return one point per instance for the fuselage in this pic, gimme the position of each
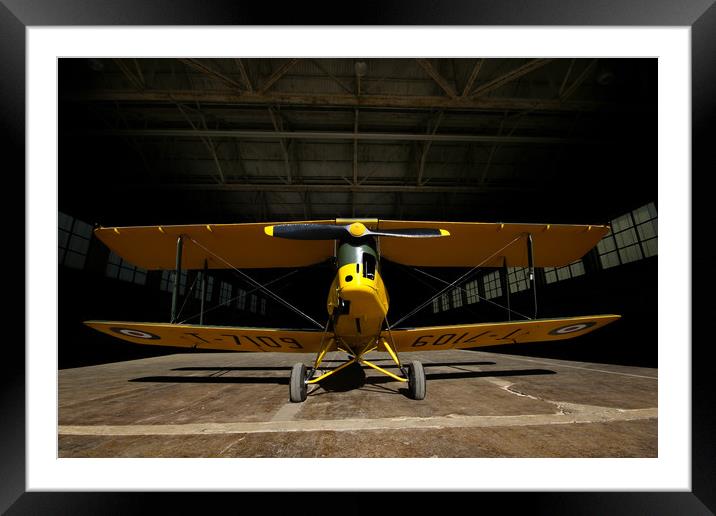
(357, 301)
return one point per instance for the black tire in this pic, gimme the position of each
(416, 380)
(298, 389)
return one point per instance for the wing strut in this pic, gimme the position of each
(530, 262)
(203, 292)
(461, 278)
(506, 285)
(259, 285)
(177, 277)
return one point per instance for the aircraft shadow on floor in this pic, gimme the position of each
(288, 368)
(351, 378)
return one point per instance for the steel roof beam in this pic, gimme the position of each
(338, 135)
(277, 75)
(421, 102)
(195, 64)
(324, 188)
(439, 79)
(472, 78)
(510, 76)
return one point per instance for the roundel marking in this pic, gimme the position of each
(137, 334)
(572, 328)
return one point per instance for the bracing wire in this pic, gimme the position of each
(188, 295)
(478, 295)
(228, 302)
(451, 285)
(255, 283)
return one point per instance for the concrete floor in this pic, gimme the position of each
(477, 405)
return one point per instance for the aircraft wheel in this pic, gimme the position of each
(416, 380)
(298, 390)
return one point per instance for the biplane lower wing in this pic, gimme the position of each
(229, 338)
(464, 336)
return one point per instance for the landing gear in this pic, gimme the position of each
(298, 390)
(416, 380)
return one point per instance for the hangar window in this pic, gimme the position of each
(445, 301)
(241, 299)
(518, 278)
(73, 241)
(457, 298)
(209, 286)
(263, 306)
(436, 305)
(252, 307)
(167, 281)
(473, 295)
(554, 274)
(633, 236)
(121, 269)
(492, 285)
(225, 293)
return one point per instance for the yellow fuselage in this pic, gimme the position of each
(357, 301)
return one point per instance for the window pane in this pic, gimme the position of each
(74, 260)
(621, 223)
(62, 238)
(457, 298)
(647, 230)
(82, 228)
(645, 213)
(436, 306)
(609, 260)
(140, 278)
(606, 244)
(79, 244)
(650, 247)
(626, 238)
(445, 302)
(492, 285)
(126, 274)
(472, 292)
(630, 254)
(64, 221)
(577, 268)
(112, 270)
(551, 276)
(563, 273)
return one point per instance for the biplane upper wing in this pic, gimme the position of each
(464, 336)
(467, 244)
(491, 244)
(228, 338)
(223, 246)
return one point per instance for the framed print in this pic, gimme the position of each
(38, 39)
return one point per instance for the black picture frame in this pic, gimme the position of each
(700, 15)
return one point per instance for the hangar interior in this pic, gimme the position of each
(186, 141)
(208, 141)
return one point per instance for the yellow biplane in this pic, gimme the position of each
(357, 301)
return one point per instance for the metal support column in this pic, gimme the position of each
(533, 280)
(203, 292)
(506, 286)
(177, 277)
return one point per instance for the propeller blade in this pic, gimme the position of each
(356, 230)
(306, 231)
(410, 233)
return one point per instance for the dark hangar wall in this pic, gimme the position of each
(601, 162)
